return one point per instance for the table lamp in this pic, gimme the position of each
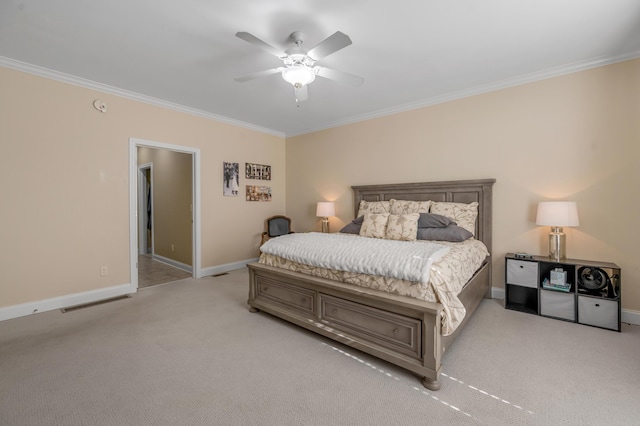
(557, 214)
(324, 210)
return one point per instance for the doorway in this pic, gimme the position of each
(141, 220)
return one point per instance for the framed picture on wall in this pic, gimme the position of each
(231, 179)
(257, 171)
(258, 193)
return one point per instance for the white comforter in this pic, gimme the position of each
(406, 260)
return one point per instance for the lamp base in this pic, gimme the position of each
(325, 225)
(557, 240)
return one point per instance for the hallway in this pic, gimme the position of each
(152, 272)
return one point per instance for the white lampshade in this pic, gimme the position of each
(325, 209)
(557, 213)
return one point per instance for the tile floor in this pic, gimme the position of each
(151, 272)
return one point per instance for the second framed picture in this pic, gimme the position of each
(257, 171)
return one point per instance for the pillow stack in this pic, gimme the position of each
(414, 220)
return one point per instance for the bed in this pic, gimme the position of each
(399, 329)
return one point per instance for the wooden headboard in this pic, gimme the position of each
(460, 191)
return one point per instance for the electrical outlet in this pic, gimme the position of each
(104, 271)
(172, 247)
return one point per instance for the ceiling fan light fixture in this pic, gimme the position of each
(299, 67)
(299, 75)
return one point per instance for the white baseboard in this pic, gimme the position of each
(174, 263)
(220, 269)
(15, 311)
(497, 293)
(630, 317)
(627, 316)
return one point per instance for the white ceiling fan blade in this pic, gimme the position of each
(301, 94)
(340, 76)
(250, 38)
(331, 44)
(248, 77)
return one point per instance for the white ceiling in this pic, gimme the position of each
(411, 53)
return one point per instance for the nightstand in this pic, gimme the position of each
(581, 291)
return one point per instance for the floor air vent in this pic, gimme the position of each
(88, 305)
(220, 274)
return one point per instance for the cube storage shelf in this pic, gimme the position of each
(591, 295)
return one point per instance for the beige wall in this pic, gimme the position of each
(64, 173)
(64, 185)
(574, 137)
(172, 203)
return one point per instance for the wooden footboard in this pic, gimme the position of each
(398, 329)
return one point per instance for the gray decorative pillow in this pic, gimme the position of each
(432, 220)
(354, 226)
(453, 233)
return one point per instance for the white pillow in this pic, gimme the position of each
(406, 206)
(464, 215)
(403, 227)
(373, 207)
(374, 225)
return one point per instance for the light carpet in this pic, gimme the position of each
(190, 353)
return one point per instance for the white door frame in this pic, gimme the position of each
(142, 207)
(133, 204)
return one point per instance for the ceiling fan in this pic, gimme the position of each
(299, 67)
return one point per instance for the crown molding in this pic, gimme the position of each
(88, 84)
(434, 100)
(477, 90)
